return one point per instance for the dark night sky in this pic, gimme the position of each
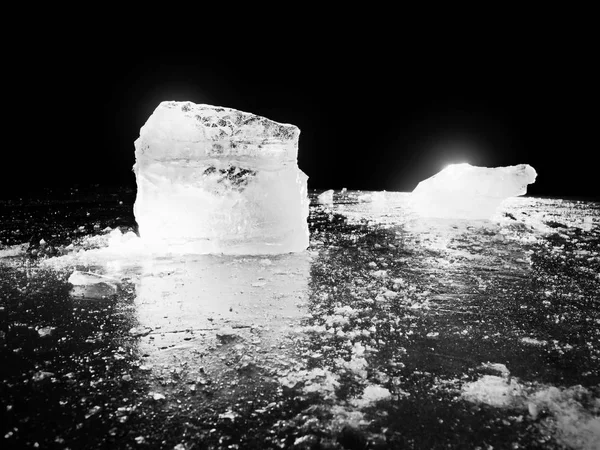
(377, 108)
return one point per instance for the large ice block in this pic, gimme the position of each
(218, 180)
(470, 192)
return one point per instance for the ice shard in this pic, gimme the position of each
(469, 192)
(218, 180)
(325, 198)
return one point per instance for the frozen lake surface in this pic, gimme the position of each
(390, 331)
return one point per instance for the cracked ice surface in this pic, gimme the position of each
(470, 192)
(219, 180)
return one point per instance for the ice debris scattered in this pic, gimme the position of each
(464, 191)
(92, 285)
(217, 180)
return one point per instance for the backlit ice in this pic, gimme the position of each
(470, 192)
(218, 180)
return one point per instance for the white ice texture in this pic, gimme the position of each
(218, 180)
(463, 191)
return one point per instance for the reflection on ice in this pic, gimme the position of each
(252, 301)
(189, 303)
(186, 305)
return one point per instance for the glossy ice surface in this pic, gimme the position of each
(389, 332)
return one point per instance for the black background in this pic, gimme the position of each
(383, 98)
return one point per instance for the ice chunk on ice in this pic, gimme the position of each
(219, 180)
(470, 192)
(492, 390)
(326, 198)
(92, 285)
(371, 394)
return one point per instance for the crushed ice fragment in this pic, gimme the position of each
(532, 341)
(45, 331)
(498, 368)
(42, 375)
(229, 414)
(218, 180)
(379, 273)
(326, 198)
(371, 394)
(93, 411)
(492, 390)
(305, 440)
(157, 396)
(92, 285)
